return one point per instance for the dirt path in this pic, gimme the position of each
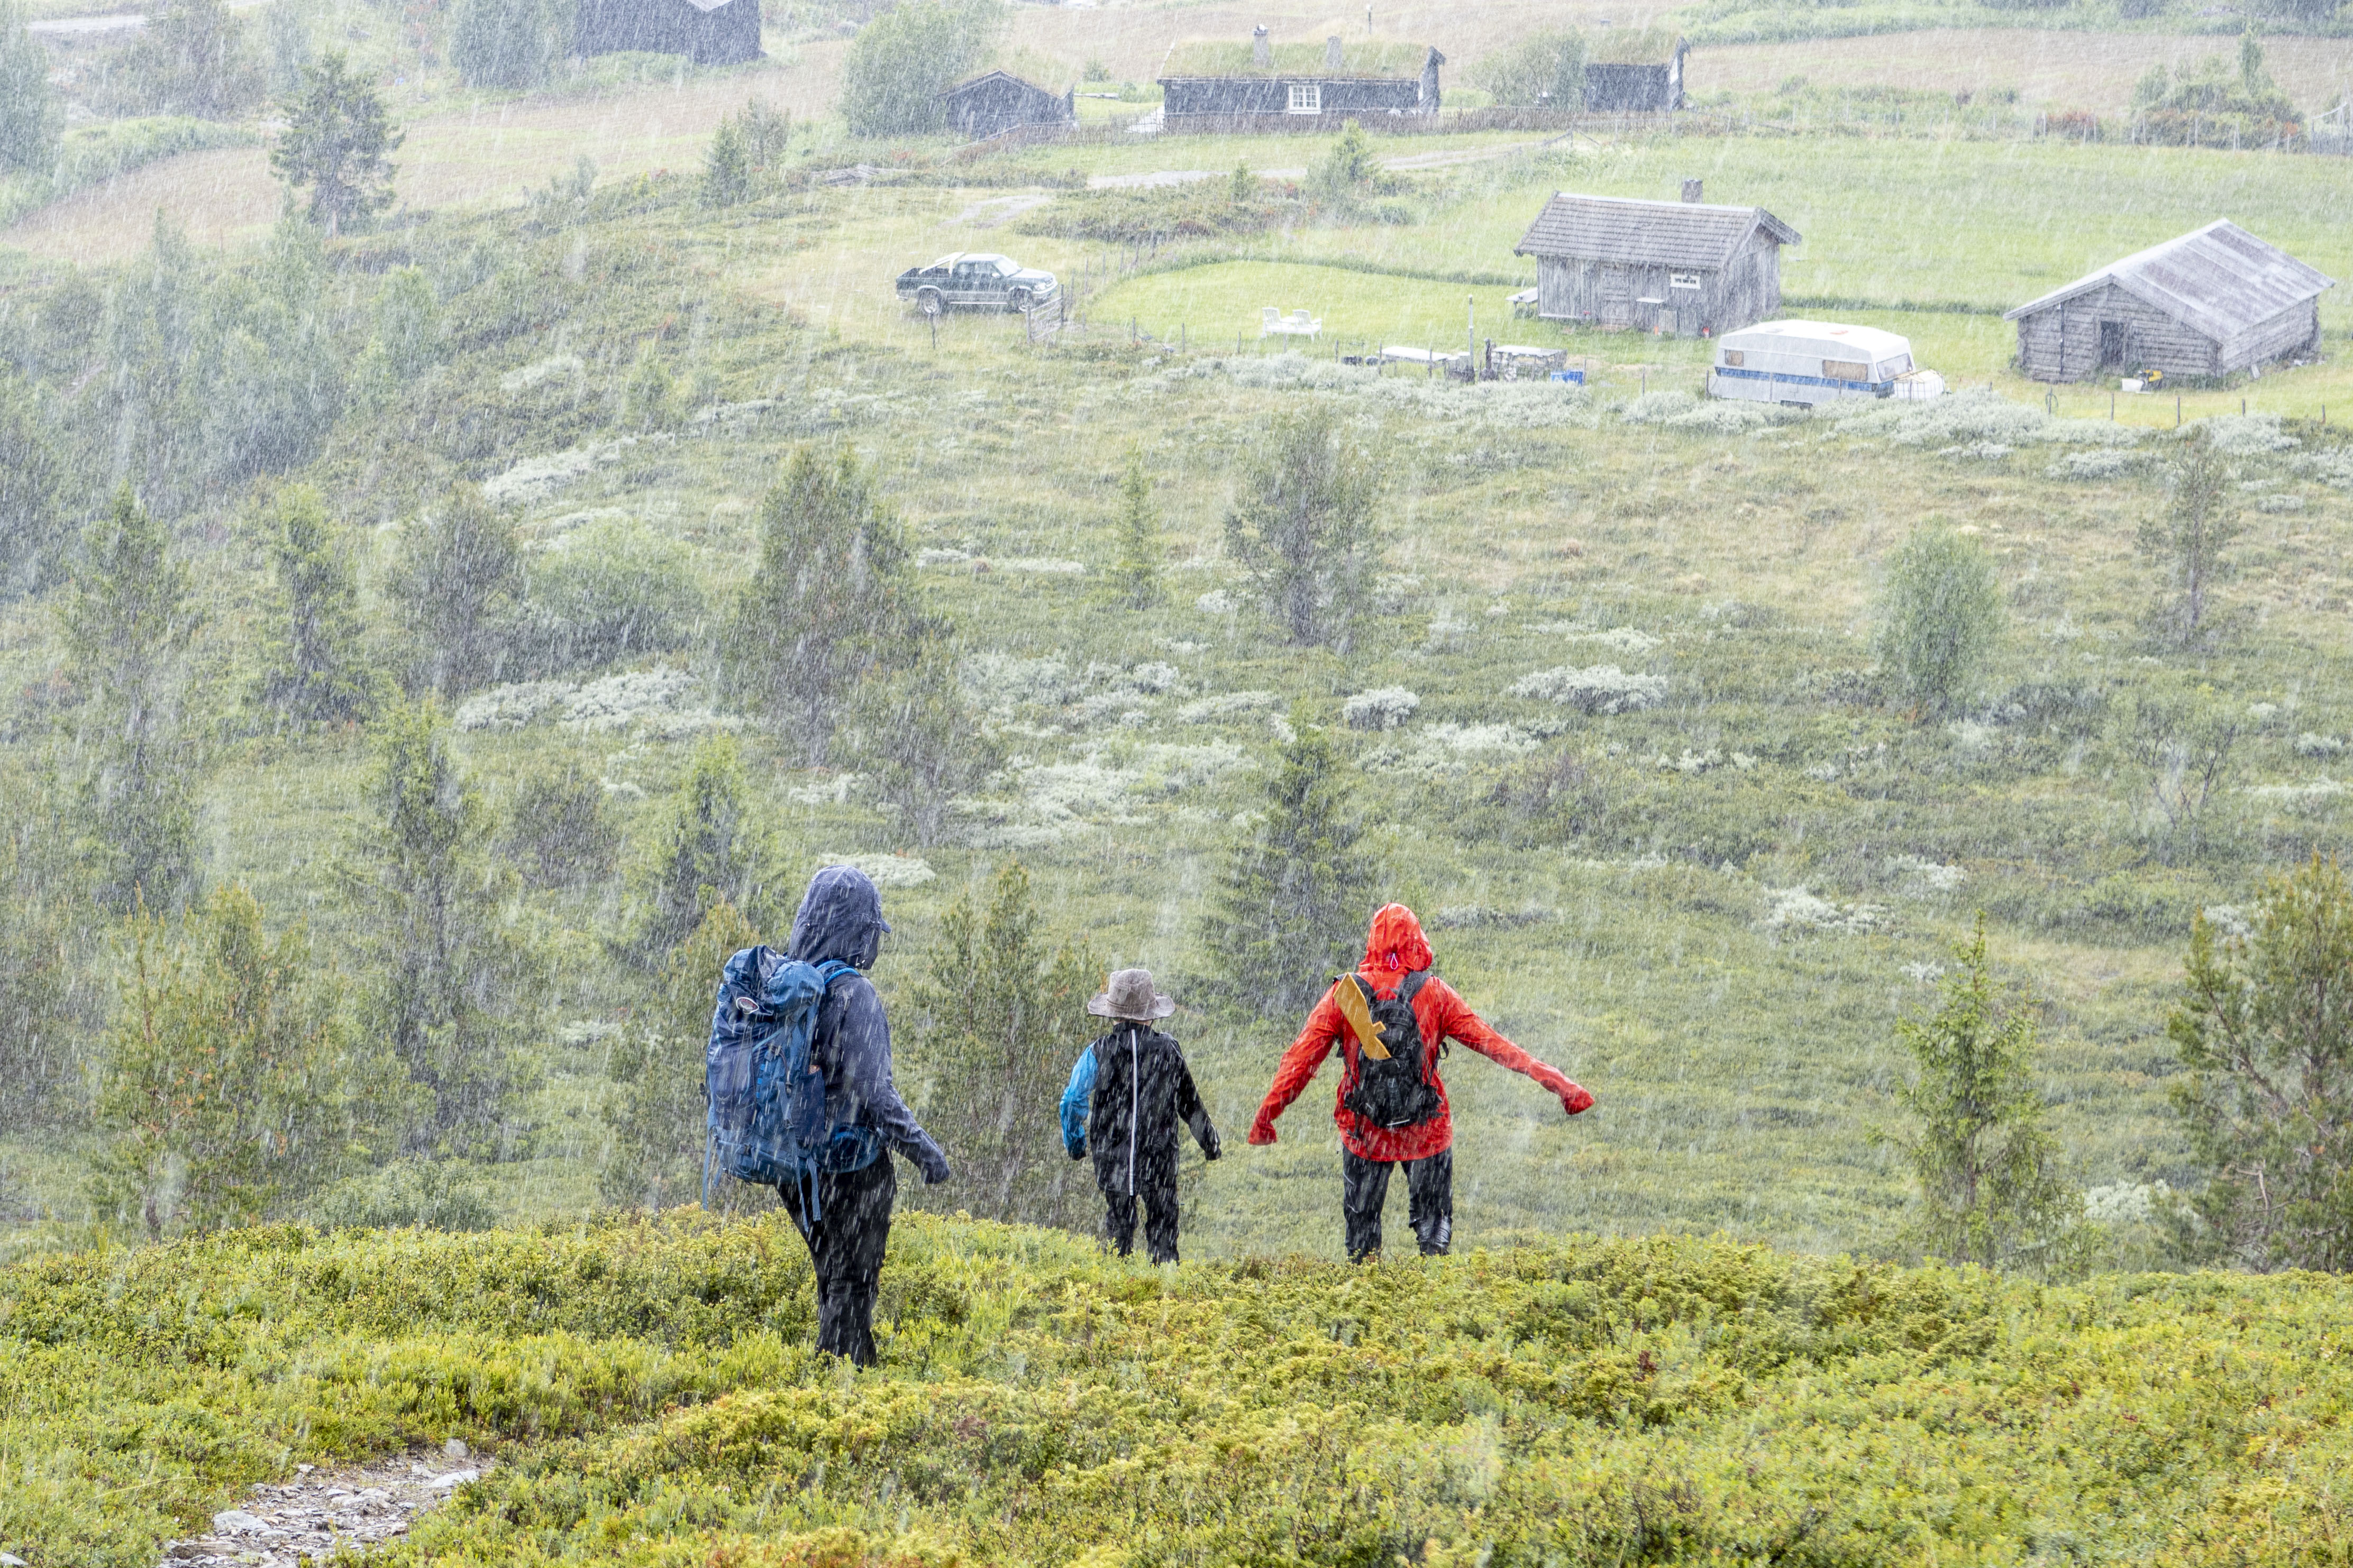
(286, 1524)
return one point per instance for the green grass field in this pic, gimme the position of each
(1741, 1058)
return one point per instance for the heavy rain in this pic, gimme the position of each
(1129, 783)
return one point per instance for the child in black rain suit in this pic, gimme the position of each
(1127, 1092)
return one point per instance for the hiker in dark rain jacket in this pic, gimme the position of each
(1128, 1094)
(841, 918)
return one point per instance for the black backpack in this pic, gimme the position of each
(1395, 1090)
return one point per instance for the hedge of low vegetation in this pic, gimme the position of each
(644, 1387)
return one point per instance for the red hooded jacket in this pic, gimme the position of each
(1395, 949)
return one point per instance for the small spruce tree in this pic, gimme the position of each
(919, 739)
(833, 598)
(2188, 536)
(655, 1117)
(316, 669)
(713, 849)
(338, 143)
(727, 165)
(767, 132)
(35, 540)
(457, 986)
(127, 630)
(558, 834)
(1988, 1168)
(1135, 580)
(1939, 618)
(228, 1082)
(455, 587)
(1291, 906)
(2264, 1027)
(1001, 1016)
(42, 900)
(1305, 528)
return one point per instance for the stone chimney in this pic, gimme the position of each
(1261, 51)
(1691, 190)
(1332, 52)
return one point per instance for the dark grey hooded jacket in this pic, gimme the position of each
(841, 918)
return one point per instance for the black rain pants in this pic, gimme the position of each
(846, 1246)
(1159, 1200)
(1429, 1191)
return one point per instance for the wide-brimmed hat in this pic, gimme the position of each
(1129, 994)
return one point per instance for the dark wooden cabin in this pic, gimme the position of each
(1683, 267)
(997, 101)
(1635, 71)
(709, 32)
(2210, 303)
(1265, 86)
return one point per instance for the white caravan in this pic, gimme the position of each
(1814, 361)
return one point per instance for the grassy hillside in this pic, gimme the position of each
(1711, 911)
(644, 1388)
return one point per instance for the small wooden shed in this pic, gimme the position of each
(2210, 303)
(997, 101)
(1213, 87)
(709, 32)
(1635, 70)
(1684, 267)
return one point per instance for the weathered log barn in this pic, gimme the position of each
(2211, 302)
(1635, 70)
(997, 101)
(1264, 86)
(709, 32)
(1681, 268)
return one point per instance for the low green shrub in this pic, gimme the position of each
(644, 1385)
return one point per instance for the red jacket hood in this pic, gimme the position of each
(1396, 945)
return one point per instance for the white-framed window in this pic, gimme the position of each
(1682, 280)
(1306, 98)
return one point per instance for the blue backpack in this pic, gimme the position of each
(767, 1120)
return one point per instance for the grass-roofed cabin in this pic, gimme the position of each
(1634, 70)
(1209, 86)
(708, 32)
(2213, 302)
(997, 101)
(1681, 267)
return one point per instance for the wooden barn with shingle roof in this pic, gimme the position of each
(1681, 268)
(2211, 302)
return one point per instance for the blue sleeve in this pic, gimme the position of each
(1075, 1099)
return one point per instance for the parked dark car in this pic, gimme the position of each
(972, 281)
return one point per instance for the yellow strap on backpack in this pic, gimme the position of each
(1353, 1007)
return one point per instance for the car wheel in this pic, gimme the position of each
(1018, 301)
(929, 301)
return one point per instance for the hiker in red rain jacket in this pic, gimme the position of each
(1390, 1019)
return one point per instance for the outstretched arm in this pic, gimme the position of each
(1460, 1023)
(1196, 1114)
(866, 1067)
(1075, 1101)
(1298, 1065)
